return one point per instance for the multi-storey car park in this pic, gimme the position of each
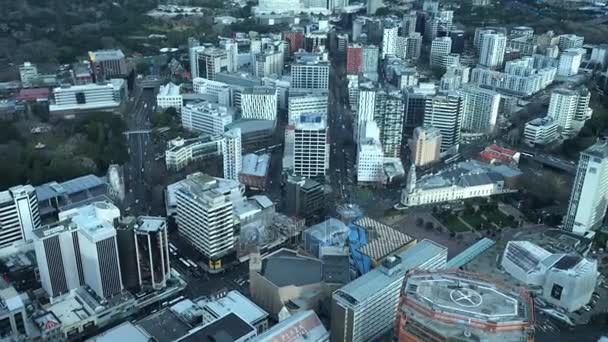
(454, 305)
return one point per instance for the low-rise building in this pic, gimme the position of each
(254, 173)
(541, 131)
(495, 153)
(181, 152)
(169, 96)
(303, 326)
(105, 95)
(235, 302)
(206, 117)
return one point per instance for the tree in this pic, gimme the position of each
(429, 225)
(419, 222)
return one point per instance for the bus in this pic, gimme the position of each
(184, 262)
(173, 301)
(171, 245)
(452, 158)
(192, 263)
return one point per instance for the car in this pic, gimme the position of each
(587, 308)
(595, 294)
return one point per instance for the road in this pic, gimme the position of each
(141, 150)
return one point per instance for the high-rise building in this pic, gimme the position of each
(408, 24)
(415, 103)
(310, 71)
(413, 46)
(570, 61)
(206, 117)
(232, 55)
(102, 95)
(364, 309)
(28, 73)
(388, 113)
(366, 107)
(152, 252)
(304, 196)
(169, 96)
(205, 218)
(310, 145)
(567, 106)
(541, 131)
(441, 47)
(492, 49)
(80, 249)
(268, 64)
(444, 112)
(357, 30)
(208, 62)
(458, 38)
(389, 39)
(425, 146)
(439, 24)
(294, 39)
(370, 156)
(369, 60)
(19, 214)
(453, 304)
(353, 59)
(373, 5)
(570, 41)
(305, 103)
(108, 64)
(589, 198)
(480, 109)
(353, 91)
(233, 154)
(259, 103)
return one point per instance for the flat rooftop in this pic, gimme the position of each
(164, 326)
(255, 165)
(106, 55)
(226, 329)
(383, 240)
(235, 302)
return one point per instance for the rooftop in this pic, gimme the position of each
(256, 165)
(169, 89)
(236, 303)
(287, 267)
(599, 149)
(259, 91)
(252, 126)
(127, 331)
(164, 326)
(105, 55)
(151, 224)
(383, 240)
(300, 327)
(226, 329)
(467, 173)
(73, 186)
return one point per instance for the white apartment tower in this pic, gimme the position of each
(492, 49)
(232, 55)
(366, 107)
(259, 103)
(233, 154)
(570, 41)
(440, 49)
(589, 198)
(389, 40)
(19, 215)
(570, 61)
(204, 216)
(370, 156)
(480, 109)
(562, 109)
(444, 112)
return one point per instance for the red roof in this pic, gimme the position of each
(33, 94)
(500, 150)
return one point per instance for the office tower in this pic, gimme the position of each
(205, 218)
(480, 109)
(589, 198)
(413, 46)
(484, 30)
(103, 96)
(492, 49)
(364, 309)
(425, 146)
(570, 61)
(455, 77)
(232, 55)
(441, 47)
(232, 153)
(19, 214)
(366, 107)
(310, 71)
(389, 37)
(208, 62)
(358, 25)
(388, 114)
(316, 41)
(206, 117)
(259, 103)
(295, 39)
(108, 64)
(370, 156)
(305, 103)
(439, 24)
(563, 107)
(415, 103)
(58, 257)
(28, 73)
(369, 59)
(353, 59)
(464, 306)
(599, 55)
(373, 5)
(268, 64)
(570, 41)
(408, 25)
(444, 112)
(353, 92)
(304, 196)
(310, 145)
(458, 38)
(152, 252)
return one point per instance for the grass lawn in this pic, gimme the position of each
(493, 216)
(452, 223)
(475, 220)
